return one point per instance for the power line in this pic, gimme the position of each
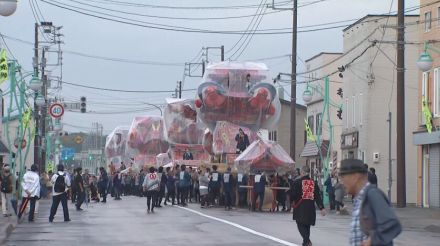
(248, 27)
(119, 90)
(171, 17)
(181, 7)
(144, 24)
(249, 37)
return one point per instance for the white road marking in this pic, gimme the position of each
(278, 240)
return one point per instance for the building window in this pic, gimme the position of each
(425, 92)
(428, 21)
(273, 136)
(436, 100)
(361, 104)
(311, 124)
(438, 16)
(353, 121)
(346, 113)
(318, 124)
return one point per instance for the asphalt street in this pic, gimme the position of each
(126, 222)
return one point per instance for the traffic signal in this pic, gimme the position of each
(340, 113)
(83, 104)
(90, 157)
(340, 92)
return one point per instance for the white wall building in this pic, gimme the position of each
(370, 93)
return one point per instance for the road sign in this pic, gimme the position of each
(78, 139)
(23, 143)
(56, 110)
(72, 106)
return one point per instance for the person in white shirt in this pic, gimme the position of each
(31, 191)
(61, 183)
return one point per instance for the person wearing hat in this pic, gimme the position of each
(373, 220)
(305, 193)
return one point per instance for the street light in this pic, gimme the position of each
(35, 84)
(40, 101)
(307, 96)
(8, 7)
(424, 63)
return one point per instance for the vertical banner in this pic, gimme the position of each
(3, 66)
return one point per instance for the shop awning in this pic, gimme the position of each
(311, 149)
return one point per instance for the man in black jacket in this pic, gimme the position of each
(305, 194)
(373, 220)
(242, 141)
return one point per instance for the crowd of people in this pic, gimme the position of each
(373, 220)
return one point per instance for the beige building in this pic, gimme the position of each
(428, 144)
(325, 126)
(282, 133)
(11, 128)
(370, 93)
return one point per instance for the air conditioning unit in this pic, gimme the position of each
(376, 157)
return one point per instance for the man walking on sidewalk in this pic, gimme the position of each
(79, 184)
(373, 220)
(61, 184)
(31, 191)
(6, 190)
(305, 194)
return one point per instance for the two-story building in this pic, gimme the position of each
(428, 143)
(325, 126)
(369, 60)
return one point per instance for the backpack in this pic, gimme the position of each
(6, 185)
(60, 184)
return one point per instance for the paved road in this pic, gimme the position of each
(127, 223)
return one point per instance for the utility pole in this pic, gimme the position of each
(293, 76)
(43, 110)
(293, 85)
(36, 113)
(180, 88)
(400, 118)
(222, 48)
(390, 161)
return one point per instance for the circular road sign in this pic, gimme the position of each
(78, 139)
(56, 110)
(23, 143)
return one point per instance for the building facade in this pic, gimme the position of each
(369, 51)
(428, 144)
(282, 133)
(325, 126)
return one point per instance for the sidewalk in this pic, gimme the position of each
(414, 218)
(7, 225)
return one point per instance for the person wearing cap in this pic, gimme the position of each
(373, 221)
(305, 193)
(31, 189)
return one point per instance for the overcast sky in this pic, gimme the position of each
(100, 37)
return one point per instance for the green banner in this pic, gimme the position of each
(3, 66)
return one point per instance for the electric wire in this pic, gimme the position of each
(119, 90)
(183, 7)
(171, 17)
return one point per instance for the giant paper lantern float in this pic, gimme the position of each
(181, 124)
(224, 137)
(183, 130)
(265, 156)
(115, 145)
(239, 93)
(146, 139)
